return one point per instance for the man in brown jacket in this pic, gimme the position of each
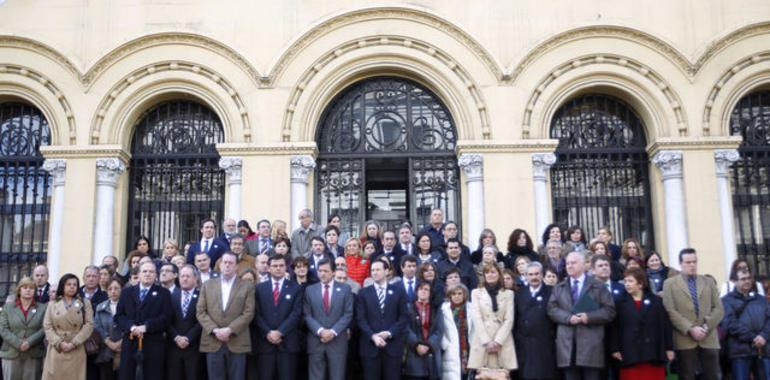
(225, 310)
(693, 304)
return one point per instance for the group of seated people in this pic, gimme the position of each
(387, 304)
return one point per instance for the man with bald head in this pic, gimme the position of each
(40, 276)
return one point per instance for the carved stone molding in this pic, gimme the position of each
(401, 13)
(274, 149)
(52, 88)
(723, 158)
(378, 41)
(108, 171)
(472, 165)
(301, 166)
(503, 146)
(57, 167)
(669, 162)
(693, 143)
(233, 168)
(716, 89)
(156, 69)
(674, 101)
(541, 163)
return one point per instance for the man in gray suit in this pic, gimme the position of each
(580, 332)
(328, 311)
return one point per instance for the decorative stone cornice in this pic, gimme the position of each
(723, 158)
(393, 41)
(541, 163)
(51, 87)
(301, 166)
(657, 81)
(158, 69)
(233, 167)
(87, 151)
(108, 171)
(669, 162)
(57, 167)
(693, 143)
(506, 146)
(275, 149)
(472, 165)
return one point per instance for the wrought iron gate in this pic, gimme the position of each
(25, 197)
(175, 180)
(600, 177)
(750, 177)
(386, 118)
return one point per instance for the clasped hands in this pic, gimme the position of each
(275, 337)
(699, 332)
(326, 335)
(380, 339)
(492, 347)
(579, 318)
(137, 331)
(222, 334)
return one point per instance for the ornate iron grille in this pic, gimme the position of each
(25, 198)
(386, 117)
(175, 180)
(750, 177)
(601, 172)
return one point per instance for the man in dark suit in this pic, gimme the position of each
(389, 251)
(184, 331)
(144, 311)
(213, 246)
(328, 311)
(279, 313)
(40, 276)
(263, 243)
(316, 255)
(533, 331)
(405, 245)
(333, 246)
(601, 267)
(451, 231)
(455, 259)
(90, 289)
(436, 227)
(382, 317)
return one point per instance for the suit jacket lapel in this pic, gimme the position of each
(233, 291)
(701, 285)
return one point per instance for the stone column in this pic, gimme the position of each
(541, 164)
(473, 167)
(301, 166)
(57, 168)
(108, 171)
(723, 159)
(670, 164)
(232, 167)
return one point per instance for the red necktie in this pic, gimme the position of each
(326, 298)
(276, 293)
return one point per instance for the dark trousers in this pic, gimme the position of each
(92, 369)
(382, 366)
(703, 361)
(279, 365)
(582, 373)
(153, 352)
(182, 364)
(744, 367)
(226, 365)
(106, 372)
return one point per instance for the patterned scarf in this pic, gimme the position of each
(461, 321)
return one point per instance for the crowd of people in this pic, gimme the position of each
(316, 304)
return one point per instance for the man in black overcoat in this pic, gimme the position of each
(533, 331)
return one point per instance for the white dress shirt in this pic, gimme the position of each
(227, 286)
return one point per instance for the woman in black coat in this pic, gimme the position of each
(533, 330)
(423, 336)
(640, 339)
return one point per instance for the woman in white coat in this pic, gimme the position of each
(455, 344)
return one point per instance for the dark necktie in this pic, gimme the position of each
(691, 284)
(575, 294)
(276, 293)
(410, 291)
(185, 303)
(326, 298)
(142, 294)
(206, 246)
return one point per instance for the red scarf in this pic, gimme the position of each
(424, 309)
(25, 311)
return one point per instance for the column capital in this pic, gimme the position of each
(57, 168)
(541, 163)
(472, 165)
(301, 165)
(233, 168)
(669, 162)
(108, 170)
(723, 159)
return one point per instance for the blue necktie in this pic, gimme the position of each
(575, 294)
(694, 294)
(206, 247)
(410, 291)
(142, 294)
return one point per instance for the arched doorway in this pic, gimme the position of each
(175, 181)
(386, 152)
(750, 177)
(601, 173)
(25, 198)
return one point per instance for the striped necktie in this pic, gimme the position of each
(381, 297)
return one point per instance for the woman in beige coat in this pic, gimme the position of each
(491, 311)
(68, 323)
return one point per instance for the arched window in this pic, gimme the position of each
(25, 198)
(175, 180)
(750, 176)
(386, 152)
(601, 173)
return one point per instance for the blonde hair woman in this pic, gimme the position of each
(21, 326)
(491, 311)
(358, 263)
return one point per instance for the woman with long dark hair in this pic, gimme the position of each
(552, 232)
(519, 244)
(657, 272)
(576, 240)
